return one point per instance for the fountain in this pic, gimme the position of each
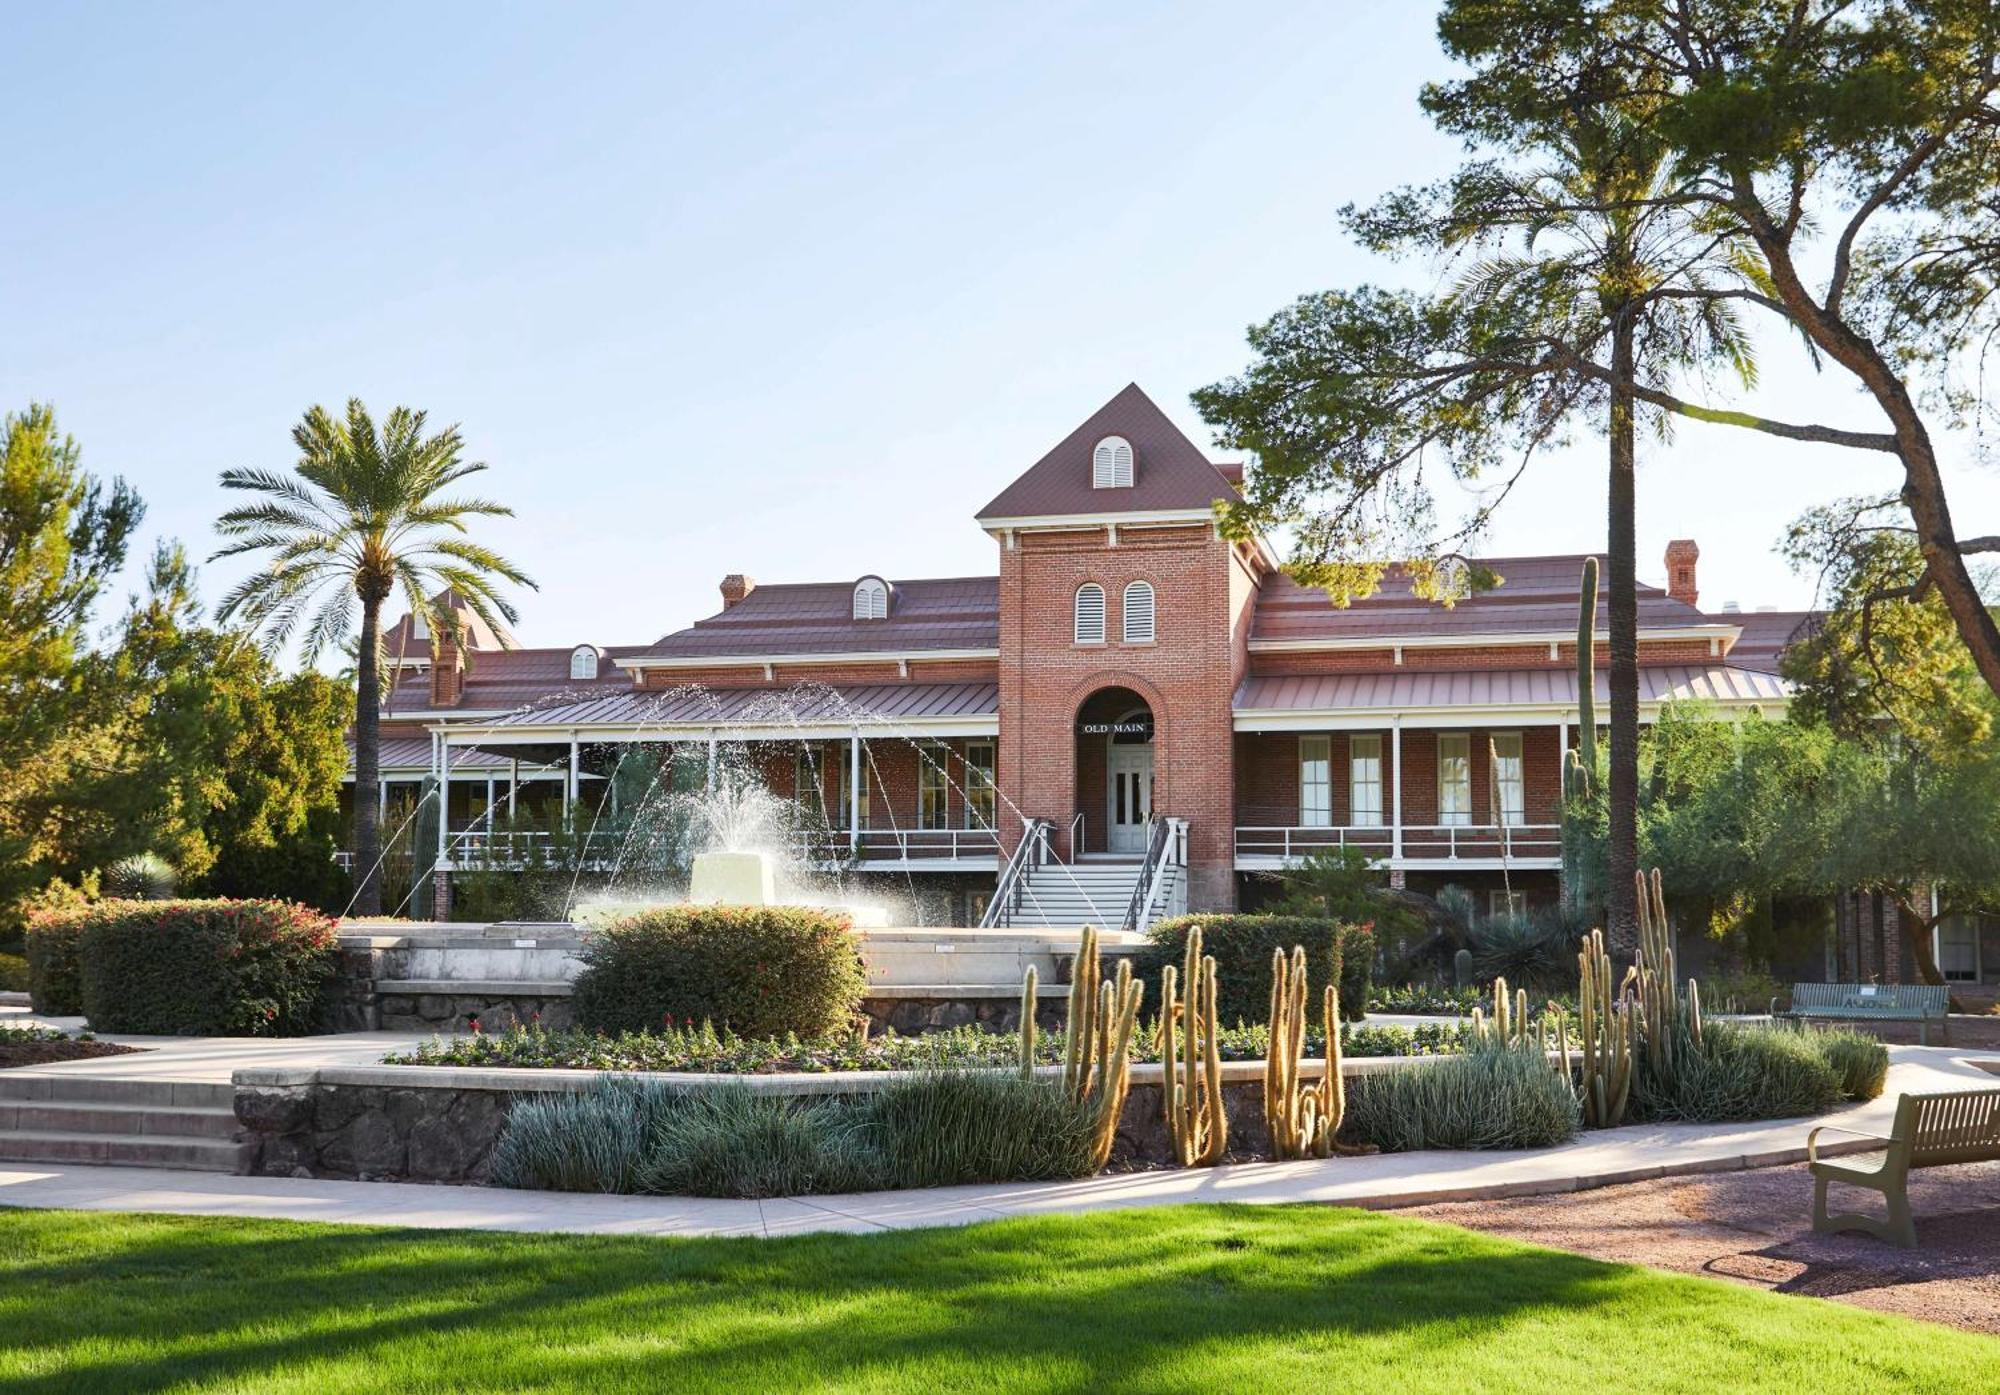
(733, 878)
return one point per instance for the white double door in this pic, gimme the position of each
(1130, 769)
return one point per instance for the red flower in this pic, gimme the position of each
(474, 1024)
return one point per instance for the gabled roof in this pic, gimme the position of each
(1170, 473)
(943, 613)
(507, 678)
(401, 641)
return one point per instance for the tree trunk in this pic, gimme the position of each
(1622, 795)
(1916, 928)
(368, 765)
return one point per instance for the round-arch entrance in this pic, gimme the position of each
(1114, 772)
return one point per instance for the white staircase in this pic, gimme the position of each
(1083, 893)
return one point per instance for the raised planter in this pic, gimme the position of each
(439, 1123)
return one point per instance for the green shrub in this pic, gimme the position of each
(201, 968)
(1492, 1097)
(1242, 946)
(13, 973)
(759, 971)
(731, 1142)
(946, 1128)
(1861, 1062)
(54, 986)
(1741, 1074)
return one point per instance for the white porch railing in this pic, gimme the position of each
(601, 848)
(1420, 842)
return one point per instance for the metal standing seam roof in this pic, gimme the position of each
(414, 753)
(806, 704)
(1340, 692)
(1169, 471)
(939, 613)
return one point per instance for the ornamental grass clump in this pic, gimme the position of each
(594, 1141)
(949, 1128)
(1738, 1075)
(731, 1142)
(757, 971)
(1861, 1062)
(1493, 1096)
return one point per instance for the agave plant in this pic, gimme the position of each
(142, 877)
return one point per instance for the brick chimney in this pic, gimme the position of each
(735, 587)
(1682, 554)
(447, 658)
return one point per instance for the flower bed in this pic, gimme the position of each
(706, 1051)
(41, 1046)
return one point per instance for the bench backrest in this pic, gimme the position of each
(1876, 997)
(1961, 1126)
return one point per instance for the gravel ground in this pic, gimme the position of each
(1756, 1228)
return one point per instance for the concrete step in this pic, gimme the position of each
(120, 1120)
(111, 1150)
(98, 1089)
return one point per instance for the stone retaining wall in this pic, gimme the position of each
(439, 1124)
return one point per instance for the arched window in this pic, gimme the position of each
(1090, 613)
(1138, 612)
(583, 662)
(871, 598)
(1111, 464)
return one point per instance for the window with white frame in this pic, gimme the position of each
(806, 788)
(871, 598)
(1509, 789)
(1090, 613)
(1111, 464)
(1137, 612)
(981, 793)
(1315, 781)
(1454, 777)
(1506, 905)
(582, 662)
(843, 815)
(1364, 780)
(933, 786)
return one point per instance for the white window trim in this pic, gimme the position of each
(1355, 805)
(1316, 749)
(1078, 633)
(934, 780)
(1454, 818)
(982, 777)
(584, 656)
(871, 599)
(1150, 611)
(1517, 816)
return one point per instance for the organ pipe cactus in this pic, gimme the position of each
(1191, 1068)
(1097, 1058)
(1303, 1118)
(1508, 1026)
(1605, 1020)
(1030, 981)
(1672, 1025)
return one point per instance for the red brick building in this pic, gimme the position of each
(1128, 685)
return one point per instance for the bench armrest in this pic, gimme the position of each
(1812, 1139)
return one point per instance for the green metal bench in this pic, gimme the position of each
(1930, 1131)
(1871, 1002)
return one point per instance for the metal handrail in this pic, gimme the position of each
(1421, 842)
(1142, 890)
(1078, 826)
(1032, 849)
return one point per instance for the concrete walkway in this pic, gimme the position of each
(1402, 1179)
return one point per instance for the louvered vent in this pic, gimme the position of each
(871, 599)
(1111, 464)
(1090, 613)
(1139, 613)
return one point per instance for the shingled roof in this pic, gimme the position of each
(1169, 471)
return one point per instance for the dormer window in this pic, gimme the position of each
(1111, 464)
(871, 598)
(582, 662)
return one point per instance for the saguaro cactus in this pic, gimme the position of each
(1604, 1026)
(1191, 1087)
(1303, 1117)
(1030, 982)
(1097, 1057)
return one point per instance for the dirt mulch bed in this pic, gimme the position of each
(43, 1053)
(1756, 1228)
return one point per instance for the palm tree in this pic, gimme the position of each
(358, 518)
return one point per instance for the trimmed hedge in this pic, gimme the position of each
(758, 971)
(1242, 945)
(192, 968)
(53, 984)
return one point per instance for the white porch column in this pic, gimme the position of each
(513, 785)
(1396, 790)
(854, 793)
(570, 788)
(492, 794)
(710, 777)
(381, 802)
(444, 798)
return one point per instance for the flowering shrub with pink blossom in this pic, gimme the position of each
(199, 968)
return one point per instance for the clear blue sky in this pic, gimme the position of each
(784, 290)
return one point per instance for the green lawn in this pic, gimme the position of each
(1190, 1299)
